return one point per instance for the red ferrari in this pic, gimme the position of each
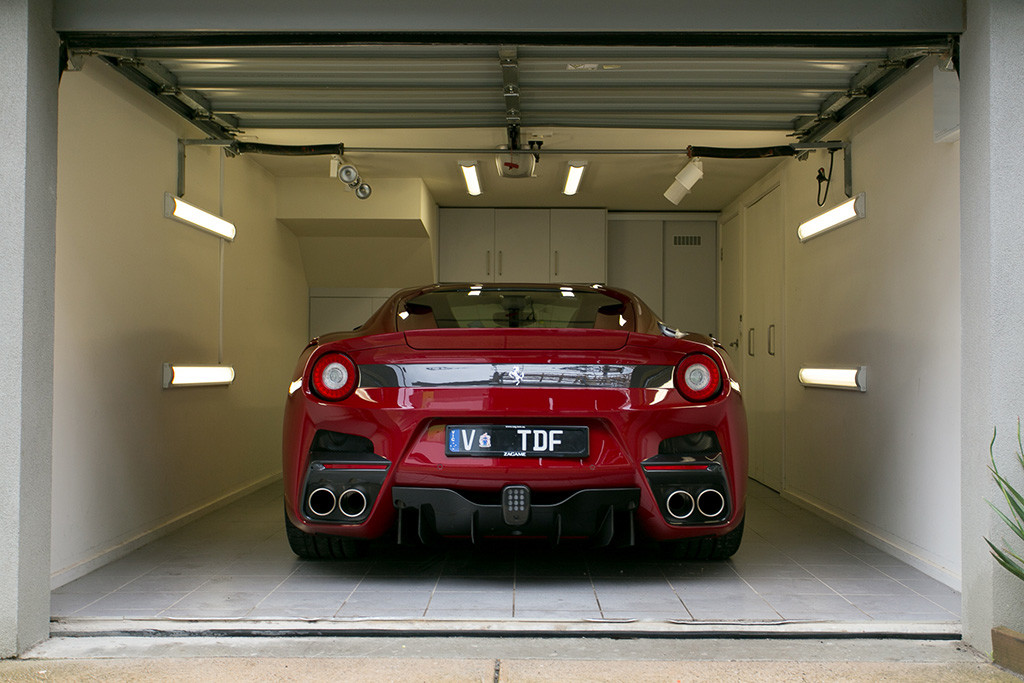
(501, 411)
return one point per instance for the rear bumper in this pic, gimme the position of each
(600, 514)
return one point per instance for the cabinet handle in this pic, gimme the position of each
(487, 262)
(499, 262)
(771, 340)
(750, 342)
(556, 263)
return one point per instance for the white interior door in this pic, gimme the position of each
(730, 288)
(634, 259)
(691, 275)
(764, 370)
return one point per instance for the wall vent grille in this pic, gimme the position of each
(686, 240)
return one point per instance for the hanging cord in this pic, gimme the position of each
(827, 180)
(220, 310)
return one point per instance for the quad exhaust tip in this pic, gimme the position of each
(352, 502)
(711, 503)
(680, 504)
(321, 502)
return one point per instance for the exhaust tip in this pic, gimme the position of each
(352, 503)
(321, 502)
(711, 503)
(680, 504)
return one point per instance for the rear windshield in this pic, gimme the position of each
(476, 307)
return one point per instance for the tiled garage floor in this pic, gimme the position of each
(236, 563)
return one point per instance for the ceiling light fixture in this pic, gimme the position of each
(472, 177)
(685, 180)
(573, 177)
(183, 212)
(847, 212)
(835, 378)
(349, 175)
(197, 375)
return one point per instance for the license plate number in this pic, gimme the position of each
(523, 441)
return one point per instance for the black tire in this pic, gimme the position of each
(321, 547)
(705, 548)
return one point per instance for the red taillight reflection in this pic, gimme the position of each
(334, 376)
(698, 378)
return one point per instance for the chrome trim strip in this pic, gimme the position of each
(526, 375)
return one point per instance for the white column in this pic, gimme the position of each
(28, 161)
(992, 273)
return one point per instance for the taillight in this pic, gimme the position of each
(698, 377)
(334, 376)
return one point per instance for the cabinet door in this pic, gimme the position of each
(579, 246)
(764, 378)
(466, 245)
(521, 239)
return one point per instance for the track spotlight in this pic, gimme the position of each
(348, 175)
(685, 180)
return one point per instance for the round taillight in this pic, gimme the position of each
(698, 377)
(334, 376)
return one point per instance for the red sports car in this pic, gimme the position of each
(498, 410)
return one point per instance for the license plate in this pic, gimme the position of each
(522, 441)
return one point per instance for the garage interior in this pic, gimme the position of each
(135, 290)
(179, 483)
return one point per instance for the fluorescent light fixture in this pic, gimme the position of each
(472, 176)
(685, 180)
(197, 375)
(847, 212)
(180, 210)
(835, 378)
(573, 177)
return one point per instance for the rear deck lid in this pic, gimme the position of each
(517, 338)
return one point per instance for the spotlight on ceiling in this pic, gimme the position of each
(573, 177)
(348, 175)
(471, 176)
(685, 180)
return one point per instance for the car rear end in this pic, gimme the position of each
(556, 433)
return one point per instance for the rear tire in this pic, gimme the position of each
(322, 547)
(705, 548)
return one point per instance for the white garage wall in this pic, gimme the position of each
(133, 290)
(882, 292)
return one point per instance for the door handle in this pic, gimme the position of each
(771, 340)
(499, 262)
(556, 263)
(750, 342)
(487, 262)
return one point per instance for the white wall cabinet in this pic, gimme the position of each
(579, 245)
(522, 240)
(523, 245)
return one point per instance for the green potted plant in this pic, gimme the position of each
(1008, 645)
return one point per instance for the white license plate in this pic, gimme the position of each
(524, 441)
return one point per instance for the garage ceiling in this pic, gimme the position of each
(629, 110)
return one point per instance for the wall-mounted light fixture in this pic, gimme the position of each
(573, 177)
(853, 378)
(197, 375)
(685, 180)
(182, 211)
(847, 212)
(471, 176)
